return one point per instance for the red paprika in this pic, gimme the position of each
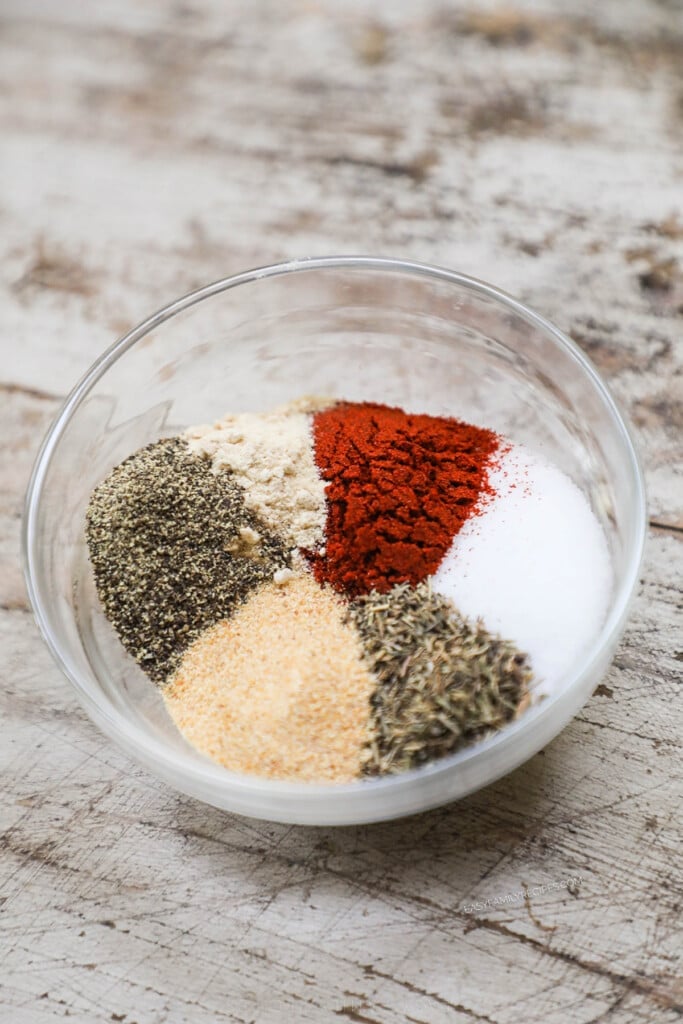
(398, 488)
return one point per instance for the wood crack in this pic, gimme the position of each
(15, 606)
(355, 1015)
(10, 388)
(373, 972)
(665, 527)
(643, 986)
(416, 169)
(625, 732)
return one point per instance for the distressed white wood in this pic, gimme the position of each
(148, 148)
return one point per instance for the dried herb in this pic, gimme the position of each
(174, 549)
(443, 682)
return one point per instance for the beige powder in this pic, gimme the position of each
(271, 456)
(279, 689)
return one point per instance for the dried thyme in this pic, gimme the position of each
(442, 681)
(174, 549)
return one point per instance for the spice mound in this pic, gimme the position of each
(280, 689)
(441, 681)
(333, 590)
(174, 548)
(398, 488)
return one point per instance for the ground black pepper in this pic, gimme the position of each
(174, 550)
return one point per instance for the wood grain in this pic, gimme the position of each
(148, 148)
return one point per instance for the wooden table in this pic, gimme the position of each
(148, 148)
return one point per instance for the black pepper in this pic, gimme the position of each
(174, 549)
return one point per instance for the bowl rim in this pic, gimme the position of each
(208, 780)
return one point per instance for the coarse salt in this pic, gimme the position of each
(533, 564)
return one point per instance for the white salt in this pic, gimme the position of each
(534, 565)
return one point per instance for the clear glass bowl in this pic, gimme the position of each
(391, 331)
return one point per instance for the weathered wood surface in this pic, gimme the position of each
(147, 148)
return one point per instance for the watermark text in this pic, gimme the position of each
(571, 883)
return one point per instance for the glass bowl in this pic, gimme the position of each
(358, 328)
